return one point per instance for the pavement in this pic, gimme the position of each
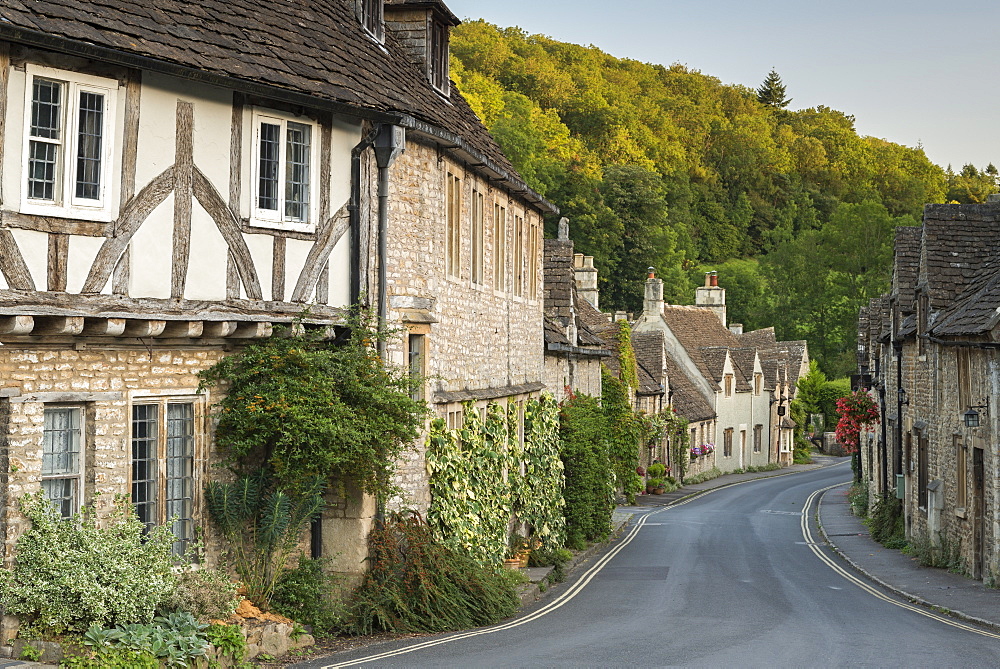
(938, 589)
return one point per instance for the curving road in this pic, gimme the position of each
(732, 578)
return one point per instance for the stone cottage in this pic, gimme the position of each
(932, 358)
(179, 179)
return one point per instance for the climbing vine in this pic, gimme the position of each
(629, 368)
(481, 477)
(625, 429)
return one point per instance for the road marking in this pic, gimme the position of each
(864, 585)
(564, 597)
(782, 513)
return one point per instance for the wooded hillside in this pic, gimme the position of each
(667, 167)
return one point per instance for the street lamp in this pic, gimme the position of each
(971, 416)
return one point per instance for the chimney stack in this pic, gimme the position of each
(586, 278)
(652, 303)
(712, 296)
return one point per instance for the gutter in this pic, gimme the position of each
(963, 344)
(578, 350)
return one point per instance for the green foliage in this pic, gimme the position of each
(416, 584)
(667, 167)
(228, 639)
(304, 594)
(857, 495)
(70, 574)
(944, 554)
(625, 429)
(111, 657)
(309, 408)
(208, 594)
(262, 524)
(557, 559)
(712, 473)
(885, 522)
(482, 476)
(30, 653)
(772, 92)
(174, 640)
(656, 470)
(589, 493)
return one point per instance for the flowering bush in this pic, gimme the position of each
(857, 411)
(704, 449)
(73, 573)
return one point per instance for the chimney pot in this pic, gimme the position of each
(708, 279)
(652, 272)
(715, 279)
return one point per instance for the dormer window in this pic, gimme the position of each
(371, 17)
(438, 65)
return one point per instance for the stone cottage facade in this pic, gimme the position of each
(742, 380)
(930, 349)
(174, 184)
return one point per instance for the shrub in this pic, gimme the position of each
(417, 585)
(305, 595)
(885, 521)
(208, 594)
(583, 448)
(656, 470)
(857, 495)
(70, 574)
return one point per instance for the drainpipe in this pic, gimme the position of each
(390, 142)
(884, 469)
(897, 465)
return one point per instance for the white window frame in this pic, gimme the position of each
(275, 218)
(65, 203)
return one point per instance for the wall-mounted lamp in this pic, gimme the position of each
(972, 416)
(781, 411)
(903, 399)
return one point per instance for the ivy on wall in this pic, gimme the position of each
(629, 367)
(481, 477)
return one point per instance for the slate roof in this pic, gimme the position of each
(554, 333)
(958, 242)
(696, 328)
(686, 399)
(743, 358)
(649, 354)
(317, 49)
(906, 260)
(977, 310)
(763, 338)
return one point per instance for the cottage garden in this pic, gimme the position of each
(300, 416)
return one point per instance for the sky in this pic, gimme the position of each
(914, 72)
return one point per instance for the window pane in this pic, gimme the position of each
(46, 109)
(144, 432)
(88, 161)
(297, 172)
(62, 494)
(42, 163)
(180, 473)
(267, 186)
(61, 441)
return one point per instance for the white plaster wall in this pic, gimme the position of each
(82, 251)
(158, 121)
(296, 251)
(340, 273)
(151, 253)
(206, 276)
(262, 249)
(35, 249)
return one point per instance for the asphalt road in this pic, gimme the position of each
(735, 577)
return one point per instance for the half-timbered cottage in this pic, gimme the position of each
(180, 177)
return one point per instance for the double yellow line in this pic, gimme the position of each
(866, 586)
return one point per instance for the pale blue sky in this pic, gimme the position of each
(910, 71)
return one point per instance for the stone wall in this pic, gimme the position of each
(482, 340)
(104, 382)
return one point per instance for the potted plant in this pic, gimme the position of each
(655, 486)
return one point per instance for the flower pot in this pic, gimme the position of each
(523, 556)
(658, 491)
(512, 563)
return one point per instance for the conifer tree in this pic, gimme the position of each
(772, 91)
